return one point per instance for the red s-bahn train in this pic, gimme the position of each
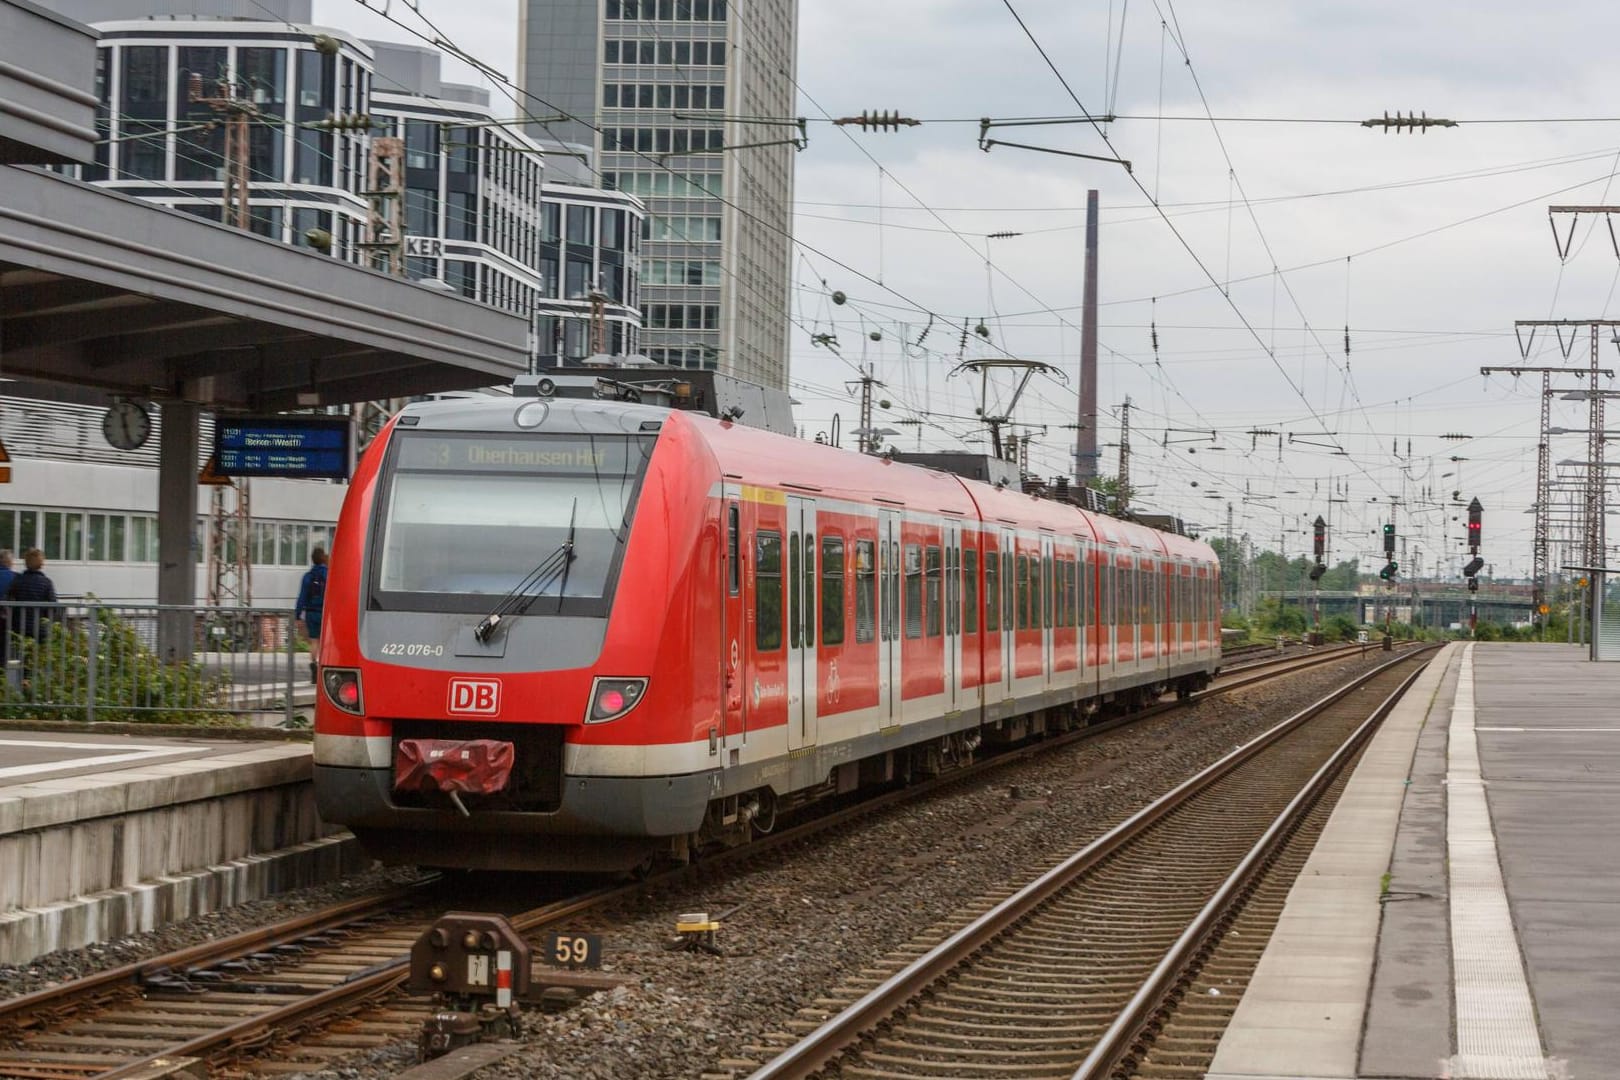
(578, 634)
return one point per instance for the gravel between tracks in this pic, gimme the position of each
(835, 905)
(57, 967)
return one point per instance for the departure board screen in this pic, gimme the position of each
(298, 447)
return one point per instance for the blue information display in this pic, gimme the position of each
(290, 446)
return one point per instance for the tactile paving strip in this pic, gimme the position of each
(1497, 1038)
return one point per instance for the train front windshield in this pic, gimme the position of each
(464, 518)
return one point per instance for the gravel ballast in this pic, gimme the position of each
(810, 918)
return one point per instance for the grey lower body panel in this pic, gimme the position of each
(611, 823)
(604, 823)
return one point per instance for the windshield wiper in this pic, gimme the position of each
(569, 544)
(517, 601)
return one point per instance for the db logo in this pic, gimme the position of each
(478, 697)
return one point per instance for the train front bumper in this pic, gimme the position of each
(601, 823)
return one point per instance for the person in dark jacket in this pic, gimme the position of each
(311, 601)
(7, 576)
(34, 590)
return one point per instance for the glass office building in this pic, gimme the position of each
(669, 96)
(479, 212)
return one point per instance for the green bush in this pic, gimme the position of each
(1340, 628)
(132, 684)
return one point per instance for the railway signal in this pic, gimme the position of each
(1319, 530)
(1389, 571)
(1389, 539)
(1470, 571)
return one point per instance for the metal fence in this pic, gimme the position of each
(79, 660)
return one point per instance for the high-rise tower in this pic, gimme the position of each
(658, 87)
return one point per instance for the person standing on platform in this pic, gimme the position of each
(36, 597)
(311, 599)
(7, 576)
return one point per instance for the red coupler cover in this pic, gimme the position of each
(474, 766)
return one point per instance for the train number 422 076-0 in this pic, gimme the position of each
(400, 648)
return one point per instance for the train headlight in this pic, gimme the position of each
(612, 698)
(343, 689)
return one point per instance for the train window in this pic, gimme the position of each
(891, 591)
(832, 590)
(970, 582)
(896, 572)
(953, 589)
(914, 591)
(1073, 571)
(934, 602)
(1048, 592)
(1060, 592)
(734, 571)
(807, 592)
(992, 591)
(1085, 592)
(1007, 616)
(865, 592)
(1023, 591)
(795, 594)
(1036, 575)
(1043, 591)
(767, 591)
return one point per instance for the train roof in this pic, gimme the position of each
(752, 456)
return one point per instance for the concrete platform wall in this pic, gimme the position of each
(89, 858)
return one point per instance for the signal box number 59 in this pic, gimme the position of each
(574, 950)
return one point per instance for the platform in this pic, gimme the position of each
(104, 834)
(1491, 800)
(28, 757)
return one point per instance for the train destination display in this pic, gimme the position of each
(286, 446)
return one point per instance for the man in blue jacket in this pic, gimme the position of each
(311, 599)
(38, 604)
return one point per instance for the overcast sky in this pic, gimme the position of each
(1428, 246)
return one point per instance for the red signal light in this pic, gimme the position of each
(349, 694)
(609, 702)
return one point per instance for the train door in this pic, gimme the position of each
(734, 730)
(1048, 612)
(953, 614)
(801, 614)
(1085, 597)
(889, 619)
(1009, 616)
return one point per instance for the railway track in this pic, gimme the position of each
(1070, 975)
(227, 999)
(280, 988)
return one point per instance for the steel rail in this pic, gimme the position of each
(376, 982)
(1249, 674)
(386, 978)
(14, 1012)
(1116, 1043)
(838, 1033)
